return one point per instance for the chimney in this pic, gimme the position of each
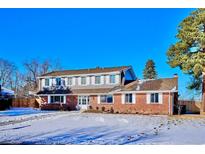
(175, 75)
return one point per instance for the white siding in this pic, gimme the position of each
(88, 80)
(73, 81)
(43, 82)
(117, 78)
(93, 80)
(107, 79)
(49, 99)
(79, 80)
(160, 98)
(66, 81)
(133, 98)
(102, 79)
(50, 82)
(148, 98)
(98, 99)
(54, 81)
(64, 99)
(123, 98)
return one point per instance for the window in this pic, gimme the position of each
(58, 81)
(128, 98)
(70, 81)
(83, 100)
(46, 82)
(57, 99)
(112, 78)
(97, 79)
(106, 99)
(83, 80)
(154, 98)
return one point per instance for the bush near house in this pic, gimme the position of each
(56, 106)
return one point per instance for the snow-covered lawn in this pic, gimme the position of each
(89, 128)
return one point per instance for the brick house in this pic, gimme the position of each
(113, 89)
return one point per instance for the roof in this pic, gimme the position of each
(5, 91)
(86, 71)
(150, 85)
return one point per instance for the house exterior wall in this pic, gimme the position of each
(140, 106)
(71, 101)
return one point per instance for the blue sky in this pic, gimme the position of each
(84, 38)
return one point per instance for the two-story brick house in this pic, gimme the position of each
(111, 88)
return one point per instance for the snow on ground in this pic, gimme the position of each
(88, 128)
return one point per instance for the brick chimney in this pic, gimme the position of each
(203, 94)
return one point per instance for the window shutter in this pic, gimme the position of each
(123, 98)
(160, 98)
(148, 98)
(98, 99)
(133, 98)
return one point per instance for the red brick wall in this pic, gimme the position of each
(72, 101)
(140, 106)
(45, 98)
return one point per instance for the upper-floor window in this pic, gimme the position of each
(58, 81)
(69, 81)
(128, 98)
(112, 78)
(97, 79)
(83, 80)
(46, 82)
(154, 98)
(106, 99)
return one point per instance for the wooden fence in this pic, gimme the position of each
(191, 106)
(25, 102)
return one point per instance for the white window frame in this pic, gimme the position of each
(70, 81)
(99, 79)
(81, 80)
(154, 95)
(57, 82)
(106, 97)
(61, 101)
(129, 95)
(47, 82)
(114, 77)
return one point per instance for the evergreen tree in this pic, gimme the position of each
(149, 71)
(188, 53)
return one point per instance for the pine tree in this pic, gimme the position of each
(149, 71)
(188, 53)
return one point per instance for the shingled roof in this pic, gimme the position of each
(151, 85)
(86, 71)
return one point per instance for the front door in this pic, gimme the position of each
(83, 102)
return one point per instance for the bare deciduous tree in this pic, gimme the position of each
(7, 69)
(35, 68)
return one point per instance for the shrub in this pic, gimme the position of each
(92, 111)
(103, 108)
(111, 110)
